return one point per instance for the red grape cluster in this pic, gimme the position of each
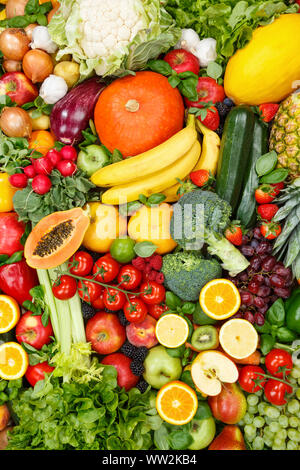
(264, 281)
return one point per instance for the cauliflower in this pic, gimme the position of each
(112, 36)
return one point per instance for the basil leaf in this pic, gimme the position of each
(180, 439)
(172, 300)
(130, 208)
(265, 328)
(276, 176)
(266, 344)
(214, 70)
(160, 66)
(116, 156)
(155, 199)
(144, 249)
(276, 313)
(176, 352)
(285, 335)
(188, 308)
(266, 163)
(174, 81)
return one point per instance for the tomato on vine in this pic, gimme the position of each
(106, 269)
(154, 293)
(279, 362)
(81, 263)
(129, 277)
(89, 290)
(64, 287)
(135, 310)
(113, 299)
(276, 392)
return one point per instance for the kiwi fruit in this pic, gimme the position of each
(205, 337)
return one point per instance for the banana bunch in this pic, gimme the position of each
(208, 159)
(152, 171)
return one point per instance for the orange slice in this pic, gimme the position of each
(13, 361)
(172, 330)
(9, 313)
(176, 403)
(220, 299)
(238, 338)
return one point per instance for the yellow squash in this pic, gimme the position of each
(6, 193)
(268, 68)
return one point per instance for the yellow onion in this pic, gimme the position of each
(12, 65)
(14, 43)
(37, 65)
(15, 8)
(29, 29)
(15, 122)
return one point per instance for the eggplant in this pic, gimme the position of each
(71, 115)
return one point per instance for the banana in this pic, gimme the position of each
(156, 182)
(152, 161)
(210, 150)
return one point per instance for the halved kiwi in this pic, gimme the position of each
(205, 337)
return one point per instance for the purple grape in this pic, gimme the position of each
(273, 299)
(247, 250)
(253, 287)
(264, 291)
(249, 316)
(244, 277)
(259, 319)
(263, 248)
(263, 309)
(259, 302)
(268, 263)
(283, 292)
(257, 234)
(246, 298)
(254, 243)
(245, 240)
(278, 265)
(258, 278)
(255, 263)
(267, 281)
(239, 314)
(277, 281)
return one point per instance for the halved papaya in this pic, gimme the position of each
(55, 238)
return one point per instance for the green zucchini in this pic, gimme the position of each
(234, 154)
(246, 211)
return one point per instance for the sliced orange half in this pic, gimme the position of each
(238, 338)
(176, 403)
(13, 361)
(220, 299)
(9, 313)
(172, 330)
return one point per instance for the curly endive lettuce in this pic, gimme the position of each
(112, 37)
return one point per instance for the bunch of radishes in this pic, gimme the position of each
(40, 169)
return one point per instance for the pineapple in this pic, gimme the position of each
(285, 134)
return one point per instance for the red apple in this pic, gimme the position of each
(31, 330)
(182, 61)
(122, 363)
(105, 333)
(11, 231)
(18, 87)
(143, 333)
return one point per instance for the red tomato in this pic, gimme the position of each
(106, 268)
(113, 299)
(98, 303)
(133, 276)
(278, 359)
(276, 391)
(37, 372)
(65, 287)
(82, 263)
(91, 291)
(247, 376)
(31, 330)
(135, 311)
(156, 310)
(156, 292)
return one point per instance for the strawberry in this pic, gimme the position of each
(201, 178)
(267, 211)
(265, 194)
(210, 118)
(270, 230)
(277, 186)
(234, 234)
(208, 90)
(268, 111)
(298, 1)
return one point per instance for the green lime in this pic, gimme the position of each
(122, 249)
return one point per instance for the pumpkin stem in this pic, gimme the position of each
(132, 106)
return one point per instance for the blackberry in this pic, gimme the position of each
(220, 130)
(137, 367)
(141, 354)
(223, 109)
(228, 102)
(142, 386)
(122, 319)
(87, 310)
(128, 349)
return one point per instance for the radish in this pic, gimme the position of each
(69, 153)
(54, 156)
(43, 166)
(66, 167)
(41, 184)
(18, 180)
(29, 171)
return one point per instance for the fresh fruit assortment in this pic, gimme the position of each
(149, 225)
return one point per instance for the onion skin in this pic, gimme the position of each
(15, 8)
(37, 65)
(14, 43)
(28, 30)
(12, 65)
(71, 115)
(15, 122)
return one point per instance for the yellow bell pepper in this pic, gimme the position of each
(6, 193)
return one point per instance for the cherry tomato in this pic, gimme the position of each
(106, 268)
(98, 304)
(135, 311)
(82, 263)
(31, 330)
(91, 291)
(248, 375)
(133, 276)
(64, 287)
(37, 372)
(276, 360)
(113, 299)
(276, 391)
(156, 292)
(156, 310)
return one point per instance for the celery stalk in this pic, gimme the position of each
(49, 299)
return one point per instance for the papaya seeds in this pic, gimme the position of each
(205, 337)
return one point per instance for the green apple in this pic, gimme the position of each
(161, 368)
(92, 158)
(203, 431)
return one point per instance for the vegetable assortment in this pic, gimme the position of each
(149, 225)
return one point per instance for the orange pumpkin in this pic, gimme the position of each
(136, 113)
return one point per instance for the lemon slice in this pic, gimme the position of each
(172, 330)
(238, 338)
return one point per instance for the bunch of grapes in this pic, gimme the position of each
(275, 427)
(264, 281)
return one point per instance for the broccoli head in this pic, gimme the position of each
(187, 272)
